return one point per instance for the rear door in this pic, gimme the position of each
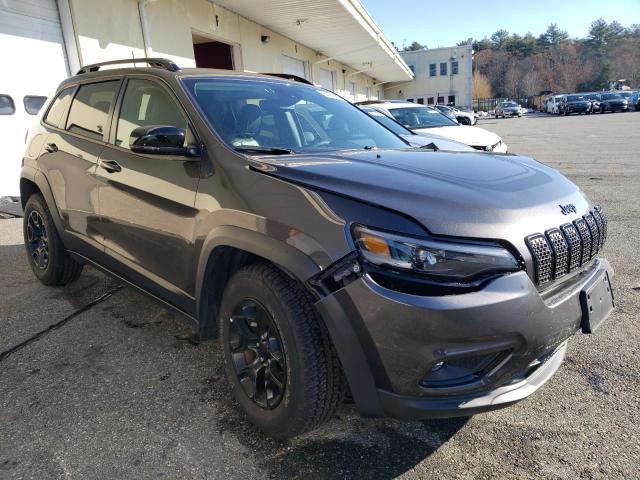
(147, 201)
(77, 136)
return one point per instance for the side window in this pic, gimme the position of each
(146, 103)
(7, 106)
(33, 103)
(89, 112)
(57, 108)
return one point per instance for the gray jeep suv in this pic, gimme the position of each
(329, 257)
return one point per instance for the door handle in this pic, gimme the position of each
(110, 166)
(51, 147)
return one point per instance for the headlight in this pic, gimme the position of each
(442, 260)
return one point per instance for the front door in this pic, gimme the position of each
(147, 201)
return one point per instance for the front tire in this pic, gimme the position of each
(47, 256)
(278, 356)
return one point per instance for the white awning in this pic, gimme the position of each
(340, 29)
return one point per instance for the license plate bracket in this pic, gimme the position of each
(596, 300)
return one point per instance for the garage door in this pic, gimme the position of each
(293, 66)
(33, 64)
(328, 79)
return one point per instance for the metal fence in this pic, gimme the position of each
(486, 104)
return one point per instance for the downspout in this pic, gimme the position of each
(144, 25)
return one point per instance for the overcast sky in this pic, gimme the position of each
(445, 23)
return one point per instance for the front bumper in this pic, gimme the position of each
(401, 338)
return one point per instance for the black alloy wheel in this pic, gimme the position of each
(38, 240)
(257, 354)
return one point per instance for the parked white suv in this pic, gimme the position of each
(463, 118)
(553, 104)
(428, 121)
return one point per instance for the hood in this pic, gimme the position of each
(466, 134)
(468, 194)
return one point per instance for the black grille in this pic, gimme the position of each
(601, 222)
(562, 250)
(542, 257)
(595, 235)
(585, 236)
(575, 245)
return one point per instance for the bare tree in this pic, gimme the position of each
(481, 86)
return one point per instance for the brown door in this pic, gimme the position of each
(213, 55)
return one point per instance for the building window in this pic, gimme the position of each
(353, 90)
(440, 100)
(430, 101)
(367, 92)
(452, 100)
(454, 68)
(421, 101)
(410, 100)
(432, 69)
(379, 94)
(413, 69)
(443, 68)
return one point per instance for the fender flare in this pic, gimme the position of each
(291, 260)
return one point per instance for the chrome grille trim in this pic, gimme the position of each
(562, 250)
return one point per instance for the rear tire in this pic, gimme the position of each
(47, 257)
(298, 355)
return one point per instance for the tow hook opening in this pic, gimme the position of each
(337, 276)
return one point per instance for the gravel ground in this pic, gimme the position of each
(105, 383)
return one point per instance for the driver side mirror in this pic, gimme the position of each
(160, 140)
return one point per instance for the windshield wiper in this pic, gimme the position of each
(265, 150)
(430, 146)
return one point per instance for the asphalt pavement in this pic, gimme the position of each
(98, 381)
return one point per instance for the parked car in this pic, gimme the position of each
(440, 143)
(463, 118)
(574, 103)
(428, 121)
(594, 101)
(319, 249)
(508, 109)
(612, 102)
(634, 101)
(627, 94)
(553, 104)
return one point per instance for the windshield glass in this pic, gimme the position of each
(258, 114)
(509, 104)
(575, 98)
(420, 117)
(390, 123)
(611, 96)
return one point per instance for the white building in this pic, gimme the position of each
(442, 76)
(333, 43)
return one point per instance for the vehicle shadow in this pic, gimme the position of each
(348, 446)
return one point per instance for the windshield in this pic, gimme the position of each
(509, 104)
(420, 117)
(263, 116)
(611, 96)
(575, 98)
(390, 123)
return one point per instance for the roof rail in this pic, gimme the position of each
(152, 62)
(288, 76)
